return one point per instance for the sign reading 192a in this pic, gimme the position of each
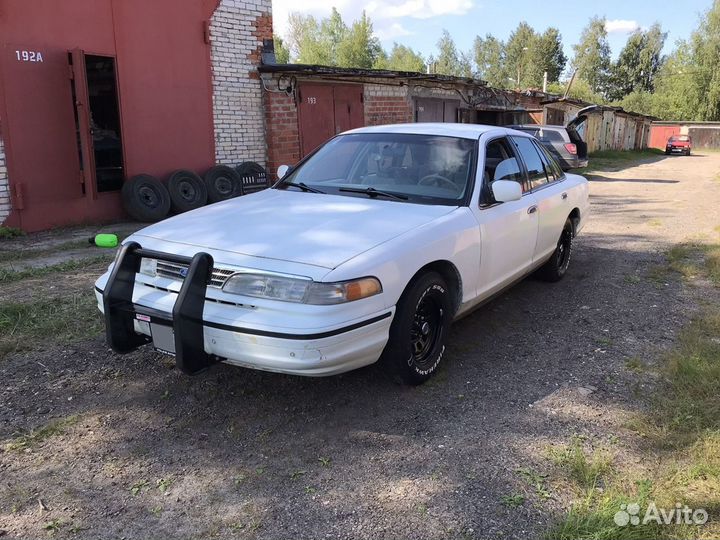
(29, 56)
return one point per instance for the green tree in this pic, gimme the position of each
(359, 47)
(638, 63)
(402, 58)
(547, 55)
(333, 31)
(676, 93)
(282, 53)
(489, 56)
(448, 59)
(519, 55)
(705, 42)
(592, 55)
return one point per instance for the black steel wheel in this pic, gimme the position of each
(187, 191)
(419, 330)
(145, 198)
(222, 183)
(556, 267)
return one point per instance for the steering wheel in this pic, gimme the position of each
(438, 180)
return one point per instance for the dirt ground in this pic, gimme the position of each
(128, 447)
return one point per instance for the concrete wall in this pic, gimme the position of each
(237, 30)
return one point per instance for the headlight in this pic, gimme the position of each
(148, 267)
(299, 290)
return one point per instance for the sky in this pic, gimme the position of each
(419, 23)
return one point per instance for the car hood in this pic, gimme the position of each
(308, 228)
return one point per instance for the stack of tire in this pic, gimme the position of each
(148, 199)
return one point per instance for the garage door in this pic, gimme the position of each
(436, 110)
(326, 110)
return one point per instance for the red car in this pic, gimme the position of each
(680, 144)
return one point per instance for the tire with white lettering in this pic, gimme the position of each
(419, 331)
(557, 265)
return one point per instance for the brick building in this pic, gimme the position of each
(306, 105)
(95, 91)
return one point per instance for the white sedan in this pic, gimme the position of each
(366, 250)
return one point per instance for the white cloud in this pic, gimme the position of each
(378, 10)
(395, 30)
(621, 26)
(417, 9)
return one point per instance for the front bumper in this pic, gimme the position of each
(199, 342)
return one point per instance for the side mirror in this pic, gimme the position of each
(506, 190)
(282, 171)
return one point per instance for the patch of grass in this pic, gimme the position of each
(655, 222)
(635, 365)
(138, 487)
(586, 470)
(36, 436)
(694, 259)
(513, 501)
(689, 402)
(10, 232)
(537, 481)
(9, 276)
(163, 484)
(615, 160)
(48, 320)
(682, 432)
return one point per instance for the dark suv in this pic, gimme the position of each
(569, 151)
(564, 142)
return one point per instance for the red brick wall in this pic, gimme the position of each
(387, 110)
(281, 131)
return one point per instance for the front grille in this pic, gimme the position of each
(179, 271)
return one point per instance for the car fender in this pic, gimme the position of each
(454, 237)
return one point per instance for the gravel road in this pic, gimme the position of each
(148, 452)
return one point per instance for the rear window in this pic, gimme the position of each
(545, 135)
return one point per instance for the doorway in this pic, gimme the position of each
(97, 122)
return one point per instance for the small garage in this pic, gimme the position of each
(306, 105)
(94, 92)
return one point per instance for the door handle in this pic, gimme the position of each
(563, 196)
(532, 209)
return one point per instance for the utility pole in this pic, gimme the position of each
(545, 82)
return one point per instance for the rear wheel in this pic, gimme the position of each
(557, 265)
(419, 331)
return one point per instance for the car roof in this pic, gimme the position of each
(539, 126)
(465, 131)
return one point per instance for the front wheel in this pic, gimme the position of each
(557, 265)
(419, 331)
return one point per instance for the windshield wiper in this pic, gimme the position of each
(304, 187)
(372, 192)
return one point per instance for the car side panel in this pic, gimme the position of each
(454, 238)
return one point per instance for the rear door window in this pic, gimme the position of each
(535, 169)
(553, 170)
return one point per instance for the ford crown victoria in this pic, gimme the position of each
(365, 251)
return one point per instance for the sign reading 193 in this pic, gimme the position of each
(29, 56)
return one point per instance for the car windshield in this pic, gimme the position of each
(423, 169)
(682, 138)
